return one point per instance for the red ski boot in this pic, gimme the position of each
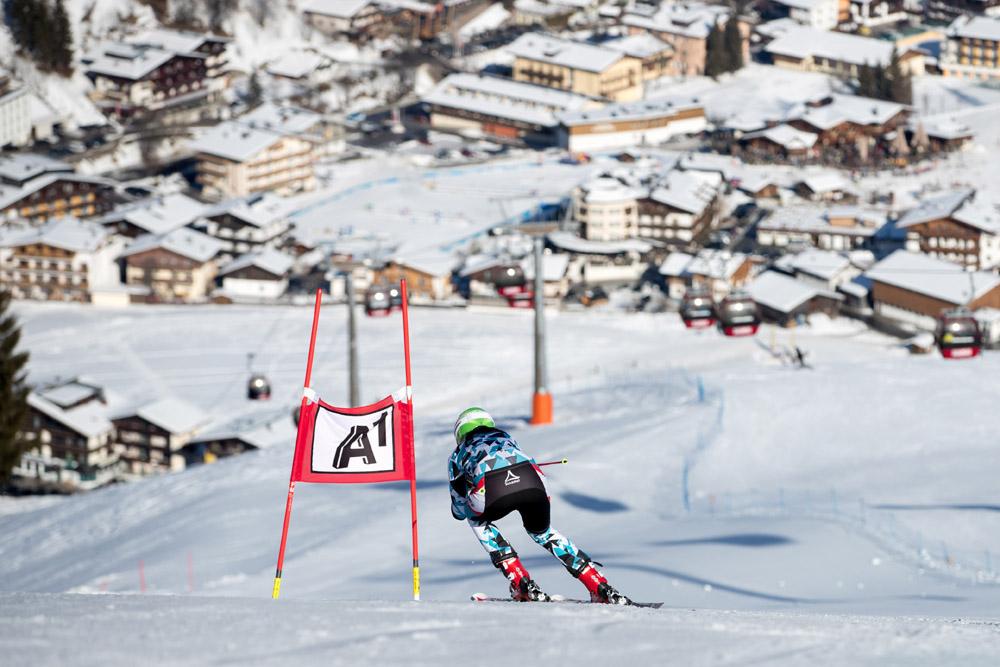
(600, 590)
(522, 588)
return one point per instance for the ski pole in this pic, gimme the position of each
(553, 463)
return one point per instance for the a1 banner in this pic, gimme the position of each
(372, 443)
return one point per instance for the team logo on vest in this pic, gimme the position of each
(511, 479)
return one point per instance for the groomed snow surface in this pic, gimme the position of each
(843, 514)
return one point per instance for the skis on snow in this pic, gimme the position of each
(483, 597)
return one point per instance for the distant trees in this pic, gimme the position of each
(885, 82)
(43, 32)
(724, 48)
(13, 391)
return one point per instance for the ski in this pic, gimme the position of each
(482, 597)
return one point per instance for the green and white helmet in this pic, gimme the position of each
(469, 421)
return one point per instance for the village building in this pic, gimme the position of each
(844, 120)
(501, 108)
(232, 435)
(607, 208)
(825, 186)
(178, 266)
(818, 14)
(213, 48)
(601, 262)
(972, 49)
(836, 228)
(56, 195)
(18, 169)
(428, 277)
(868, 14)
(258, 276)
(674, 276)
(812, 50)
(941, 136)
(680, 208)
(719, 271)
(540, 13)
(957, 227)
(685, 26)
(915, 289)
(70, 443)
(153, 215)
(63, 260)
(576, 67)
(654, 54)
(946, 11)
(135, 79)
(783, 142)
(246, 224)
(342, 17)
(150, 438)
(788, 301)
(555, 274)
(15, 114)
(822, 269)
(271, 148)
(621, 125)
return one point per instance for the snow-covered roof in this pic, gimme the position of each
(433, 262)
(259, 210)
(605, 189)
(787, 136)
(641, 45)
(687, 19)
(178, 41)
(12, 194)
(260, 426)
(824, 181)
(157, 215)
(281, 118)
(77, 236)
(68, 393)
(944, 128)
(504, 98)
(813, 219)
(173, 415)
(337, 8)
(777, 27)
(630, 111)
(717, 264)
(933, 277)
(804, 42)
(181, 241)
(128, 61)
(689, 191)
(780, 292)
(564, 52)
(572, 243)
(554, 267)
(269, 259)
(976, 27)
(936, 208)
(88, 420)
(822, 264)
(242, 139)
(675, 264)
(538, 8)
(19, 168)
(850, 108)
(296, 64)
(981, 214)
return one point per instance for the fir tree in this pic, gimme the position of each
(62, 40)
(13, 391)
(900, 88)
(866, 81)
(734, 44)
(255, 92)
(715, 56)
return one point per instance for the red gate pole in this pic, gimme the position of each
(295, 456)
(413, 454)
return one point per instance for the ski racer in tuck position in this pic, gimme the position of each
(490, 477)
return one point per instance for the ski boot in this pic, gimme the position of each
(522, 587)
(600, 590)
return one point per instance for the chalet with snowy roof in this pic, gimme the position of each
(781, 141)
(541, 13)
(972, 48)
(428, 275)
(501, 108)
(654, 54)
(132, 79)
(680, 208)
(62, 260)
(621, 125)
(823, 269)
(957, 226)
(841, 120)
(914, 289)
(272, 148)
(825, 186)
(153, 215)
(941, 135)
(259, 276)
(69, 446)
(719, 271)
(836, 228)
(869, 14)
(685, 26)
(54, 195)
(818, 14)
(601, 262)
(555, 274)
(178, 266)
(213, 48)
(787, 301)
(150, 438)
(813, 50)
(232, 435)
(946, 11)
(246, 224)
(18, 169)
(576, 67)
(672, 270)
(342, 17)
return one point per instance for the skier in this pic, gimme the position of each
(490, 478)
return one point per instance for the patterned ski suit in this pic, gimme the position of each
(484, 451)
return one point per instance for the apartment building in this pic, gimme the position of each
(956, 227)
(837, 53)
(15, 113)
(973, 48)
(178, 266)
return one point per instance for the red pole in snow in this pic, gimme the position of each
(413, 459)
(142, 577)
(291, 482)
(553, 463)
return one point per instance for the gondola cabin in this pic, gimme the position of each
(258, 388)
(738, 315)
(697, 310)
(958, 335)
(395, 300)
(378, 302)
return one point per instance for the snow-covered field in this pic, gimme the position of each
(867, 422)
